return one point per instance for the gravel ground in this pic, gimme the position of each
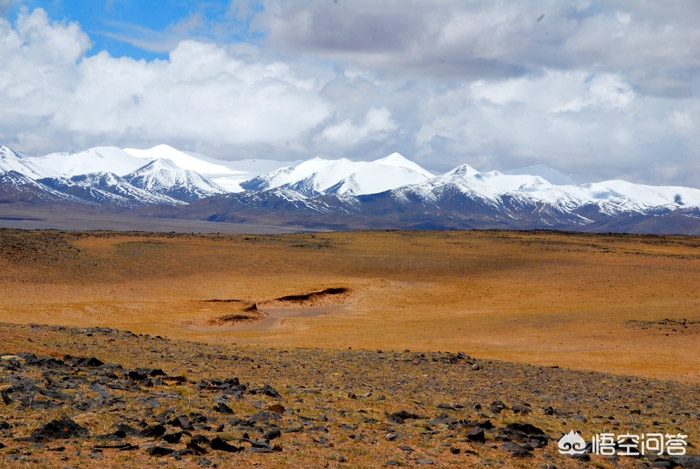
(103, 397)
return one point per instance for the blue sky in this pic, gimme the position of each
(145, 29)
(597, 89)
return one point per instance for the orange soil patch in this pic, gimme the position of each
(573, 300)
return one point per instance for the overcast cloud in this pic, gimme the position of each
(595, 89)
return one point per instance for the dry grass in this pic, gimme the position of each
(334, 404)
(295, 304)
(535, 297)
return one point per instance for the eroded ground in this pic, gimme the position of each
(616, 303)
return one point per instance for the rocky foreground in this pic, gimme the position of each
(109, 398)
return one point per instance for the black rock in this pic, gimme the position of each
(526, 428)
(522, 453)
(183, 452)
(485, 424)
(183, 422)
(159, 451)
(153, 431)
(196, 417)
(172, 437)
(59, 429)
(272, 434)
(510, 446)
(120, 447)
(497, 406)
(223, 408)
(519, 409)
(99, 389)
(199, 439)
(665, 463)
(476, 434)
(124, 430)
(257, 443)
(83, 361)
(445, 419)
(219, 444)
(268, 391)
(401, 416)
(196, 448)
(137, 375)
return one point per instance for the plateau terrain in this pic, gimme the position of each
(344, 349)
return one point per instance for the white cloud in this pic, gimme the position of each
(200, 94)
(377, 123)
(596, 89)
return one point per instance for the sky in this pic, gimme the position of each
(595, 89)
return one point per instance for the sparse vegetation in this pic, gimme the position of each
(347, 336)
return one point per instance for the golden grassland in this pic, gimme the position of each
(625, 304)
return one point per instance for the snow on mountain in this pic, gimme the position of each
(393, 187)
(640, 196)
(342, 176)
(16, 187)
(612, 196)
(10, 160)
(94, 160)
(493, 185)
(226, 174)
(115, 184)
(163, 176)
(87, 193)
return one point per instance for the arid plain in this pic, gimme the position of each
(623, 304)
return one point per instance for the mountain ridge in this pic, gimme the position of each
(389, 192)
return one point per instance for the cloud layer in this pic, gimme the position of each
(594, 89)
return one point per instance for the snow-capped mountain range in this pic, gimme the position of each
(388, 192)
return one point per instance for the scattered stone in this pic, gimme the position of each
(401, 416)
(196, 448)
(219, 444)
(153, 431)
(476, 434)
(59, 429)
(183, 422)
(497, 406)
(172, 438)
(159, 451)
(223, 408)
(272, 434)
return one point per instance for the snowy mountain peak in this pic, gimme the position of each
(163, 176)
(10, 160)
(398, 160)
(343, 176)
(463, 170)
(93, 160)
